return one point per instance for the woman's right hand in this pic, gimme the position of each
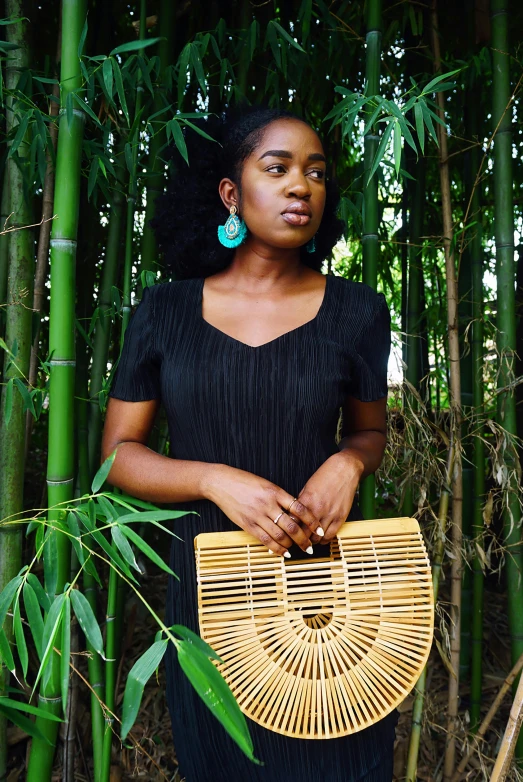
(253, 503)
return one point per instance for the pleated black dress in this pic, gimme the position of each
(272, 410)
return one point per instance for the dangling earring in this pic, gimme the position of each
(311, 245)
(234, 232)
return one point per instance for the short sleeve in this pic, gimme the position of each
(372, 348)
(137, 376)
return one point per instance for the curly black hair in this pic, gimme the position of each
(189, 211)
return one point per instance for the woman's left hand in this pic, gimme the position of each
(329, 493)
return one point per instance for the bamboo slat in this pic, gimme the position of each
(324, 647)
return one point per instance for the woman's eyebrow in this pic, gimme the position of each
(283, 153)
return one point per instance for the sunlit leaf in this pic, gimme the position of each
(101, 476)
(137, 678)
(65, 653)
(215, 693)
(21, 645)
(87, 621)
(146, 549)
(34, 617)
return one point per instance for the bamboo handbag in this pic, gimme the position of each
(318, 648)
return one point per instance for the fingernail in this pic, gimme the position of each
(310, 550)
(271, 552)
(320, 531)
(287, 555)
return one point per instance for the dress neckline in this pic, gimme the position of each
(285, 334)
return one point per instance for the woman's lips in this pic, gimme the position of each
(293, 218)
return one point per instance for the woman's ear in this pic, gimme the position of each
(228, 193)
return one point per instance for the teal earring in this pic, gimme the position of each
(311, 245)
(234, 232)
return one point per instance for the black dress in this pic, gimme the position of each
(271, 410)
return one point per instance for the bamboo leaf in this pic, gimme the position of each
(137, 678)
(51, 627)
(134, 46)
(193, 638)
(254, 35)
(24, 723)
(397, 147)
(107, 73)
(111, 552)
(196, 62)
(179, 139)
(106, 509)
(8, 400)
(8, 704)
(428, 121)
(85, 107)
(120, 89)
(21, 645)
(6, 655)
(20, 133)
(438, 79)
(215, 693)
(40, 593)
(34, 617)
(154, 515)
(101, 476)
(373, 117)
(199, 131)
(420, 126)
(182, 72)
(51, 563)
(272, 38)
(26, 397)
(87, 621)
(81, 42)
(146, 549)
(123, 545)
(65, 653)
(381, 149)
(7, 595)
(287, 37)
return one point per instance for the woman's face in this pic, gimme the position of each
(283, 185)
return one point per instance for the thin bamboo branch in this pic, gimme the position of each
(510, 737)
(498, 700)
(455, 410)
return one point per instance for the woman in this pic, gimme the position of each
(253, 352)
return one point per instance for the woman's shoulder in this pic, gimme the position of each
(176, 296)
(359, 299)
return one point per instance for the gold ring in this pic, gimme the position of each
(276, 520)
(290, 506)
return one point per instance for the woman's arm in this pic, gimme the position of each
(251, 502)
(364, 434)
(329, 493)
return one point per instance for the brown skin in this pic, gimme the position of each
(263, 293)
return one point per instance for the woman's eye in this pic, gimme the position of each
(318, 173)
(277, 165)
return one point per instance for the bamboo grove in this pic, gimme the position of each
(419, 106)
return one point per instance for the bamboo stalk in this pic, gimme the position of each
(155, 182)
(476, 253)
(437, 560)
(455, 414)
(42, 253)
(17, 333)
(370, 240)
(60, 465)
(102, 332)
(510, 737)
(505, 687)
(506, 320)
(4, 238)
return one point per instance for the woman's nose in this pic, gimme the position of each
(299, 186)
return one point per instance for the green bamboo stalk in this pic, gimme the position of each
(112, 636)
(4, 239)
(506, 320)
(102, 332)
(478, 446)
(413, 319)
(370, 240)
(155, 182)
(20, 258)
(60, 465)
(437, 560)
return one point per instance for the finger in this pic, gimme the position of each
(331, 530)
(291, 525)
(298, 509)
(270, 541)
